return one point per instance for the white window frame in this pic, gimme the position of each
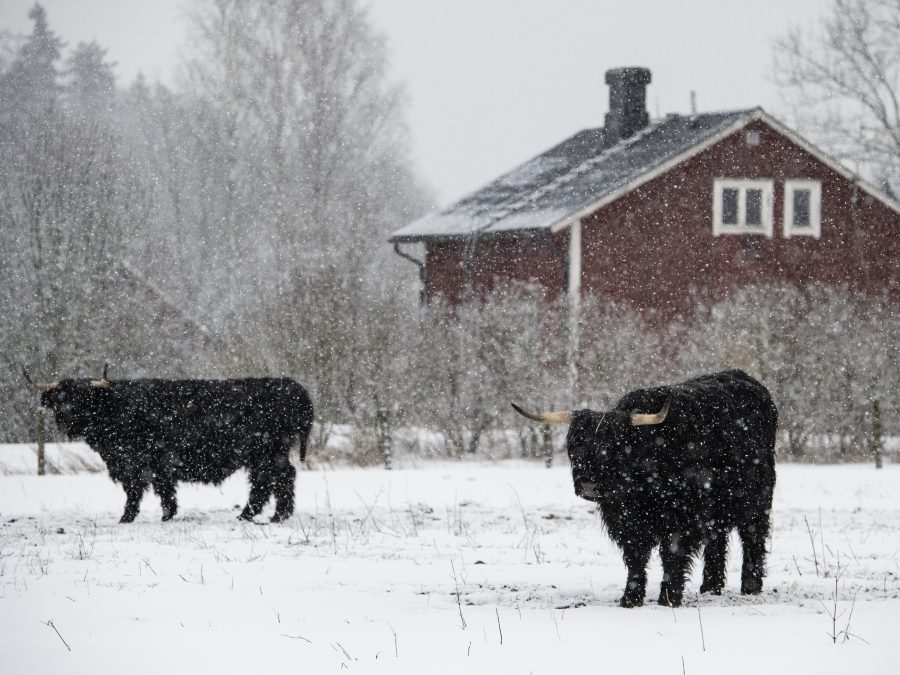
(742, 185)
(814, 229)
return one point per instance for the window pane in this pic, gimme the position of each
(801, 208)
(754, 206)
(729, 206)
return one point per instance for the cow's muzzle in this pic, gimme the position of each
(587, 490)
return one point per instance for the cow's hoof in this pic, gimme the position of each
(246, 516)
(628, 603)
(127, 517)
(712, 590)
(666, 601)
(168, 516)
(280, 517)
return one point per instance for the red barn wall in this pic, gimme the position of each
(655, 245)
(493, 261)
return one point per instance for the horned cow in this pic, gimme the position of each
(680, 478)
(153, 432)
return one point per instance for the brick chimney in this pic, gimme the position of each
(627, 103)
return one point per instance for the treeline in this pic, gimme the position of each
(437, 381)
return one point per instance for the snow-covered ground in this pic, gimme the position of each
(477, 568)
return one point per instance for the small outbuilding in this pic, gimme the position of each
(655, 212)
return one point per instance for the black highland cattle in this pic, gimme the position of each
(155, 433)
(680, 478)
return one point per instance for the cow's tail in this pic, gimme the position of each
(301, 415)
(298, 445)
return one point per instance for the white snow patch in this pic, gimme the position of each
(422, 570)
(22, 458)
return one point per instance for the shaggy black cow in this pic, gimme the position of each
(158, 432)
(681, 478)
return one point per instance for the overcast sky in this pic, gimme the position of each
(492, 83)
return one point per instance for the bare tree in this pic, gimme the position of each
(302, 133)
(841, 79)
(189, 247)
(65, 215)
(310, 126)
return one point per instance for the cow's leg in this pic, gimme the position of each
(714, 557)
(164, 487)
(260, 490)
(675, 551)
(284, 491)
(753, 538)
(636, 559)
(134, 492)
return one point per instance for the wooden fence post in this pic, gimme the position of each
(383, 436)
(41, 461)
(547, 437)
(876, 446)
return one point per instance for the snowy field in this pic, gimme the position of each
(447, 568)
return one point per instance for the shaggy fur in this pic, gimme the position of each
(159, 432)
(685, 483)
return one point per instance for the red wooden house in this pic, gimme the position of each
(653, 212)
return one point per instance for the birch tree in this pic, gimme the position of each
(311, 128)
(310, 156)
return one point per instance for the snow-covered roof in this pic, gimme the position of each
(581, 174)
(578, 172)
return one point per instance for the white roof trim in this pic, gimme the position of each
(832, 163)
(758, 114)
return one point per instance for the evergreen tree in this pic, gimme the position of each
(29, 86)
(90, 84)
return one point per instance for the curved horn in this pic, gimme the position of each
(102, 383)
(39, 386)
(642, 419)
(561, 417)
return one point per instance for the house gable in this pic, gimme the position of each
(656, 245)
(744, 123)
